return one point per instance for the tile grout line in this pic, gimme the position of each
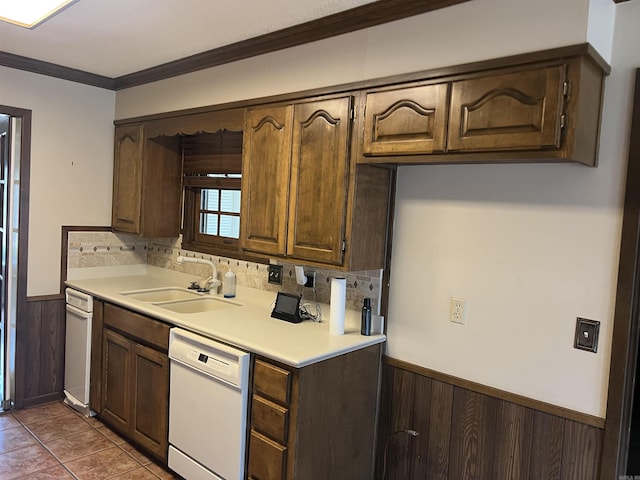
(97, 426)
(100, 424)
(45, 447)
(114, 444)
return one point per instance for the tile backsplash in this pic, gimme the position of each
(106, 249)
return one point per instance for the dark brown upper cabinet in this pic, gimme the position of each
(265, 179)
(303, 196)
(127, 178)
(402, 121)
(513, 111)
(319, 186)
(146, 183)
(148, 159)
(528, 108)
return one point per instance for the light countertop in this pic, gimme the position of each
(248, 326)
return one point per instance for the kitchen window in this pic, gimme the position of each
(219, 212)
(212, 168)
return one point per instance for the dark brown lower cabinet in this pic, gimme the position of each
(317, 421)
(135, 378)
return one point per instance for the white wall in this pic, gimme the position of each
(472, 31)
(530, 247)
(71, 163)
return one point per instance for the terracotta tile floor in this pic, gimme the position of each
(54, 442)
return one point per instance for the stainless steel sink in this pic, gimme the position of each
(163, 294)
(198, 305)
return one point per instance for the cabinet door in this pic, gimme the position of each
(150, 417)
(512, 111)
(406, 121)
(116, 384)
(265, 179)
(319, 180)
(127, 178)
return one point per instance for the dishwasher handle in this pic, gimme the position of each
(78, 312)
(214, 378)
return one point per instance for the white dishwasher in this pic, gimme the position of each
(208, 400)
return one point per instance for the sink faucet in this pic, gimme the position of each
(209, 282)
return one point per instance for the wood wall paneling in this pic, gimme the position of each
(472, 435)
(41, 341)
(466, 434)
(512, 453)
(439, 430)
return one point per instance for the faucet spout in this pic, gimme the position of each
(214, 271)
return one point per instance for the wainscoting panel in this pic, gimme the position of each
(470, 432)
(40, 349)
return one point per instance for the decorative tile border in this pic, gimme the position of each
(105, 249)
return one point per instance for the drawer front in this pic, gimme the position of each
(272, 382)
(145, 329)
(270, 419)
(267, 459)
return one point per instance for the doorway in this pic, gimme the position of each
(15, 140)
(5, 359)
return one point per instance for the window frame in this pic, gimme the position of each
(192, 239)
(200, 211)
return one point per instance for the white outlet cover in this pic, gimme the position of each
(457, 310)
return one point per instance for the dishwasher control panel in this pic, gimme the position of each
(210, 357)
(212, 363)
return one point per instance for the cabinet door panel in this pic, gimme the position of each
(319, 185)
(116, 385)
(519, 110)
(127, 181)
(151, 399)
(265, 179)
(406, 121)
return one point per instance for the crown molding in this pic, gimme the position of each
(53, 70)
(369, 15)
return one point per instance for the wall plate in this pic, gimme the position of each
(275, 274)
(586, 337)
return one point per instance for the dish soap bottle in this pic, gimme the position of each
(365, 325)
(229, 285)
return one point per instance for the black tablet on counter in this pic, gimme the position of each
(287, 307)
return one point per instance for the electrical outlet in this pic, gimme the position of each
(457, 309)
(275, 274)
(311, 280)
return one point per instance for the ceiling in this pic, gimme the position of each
(119, 39)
